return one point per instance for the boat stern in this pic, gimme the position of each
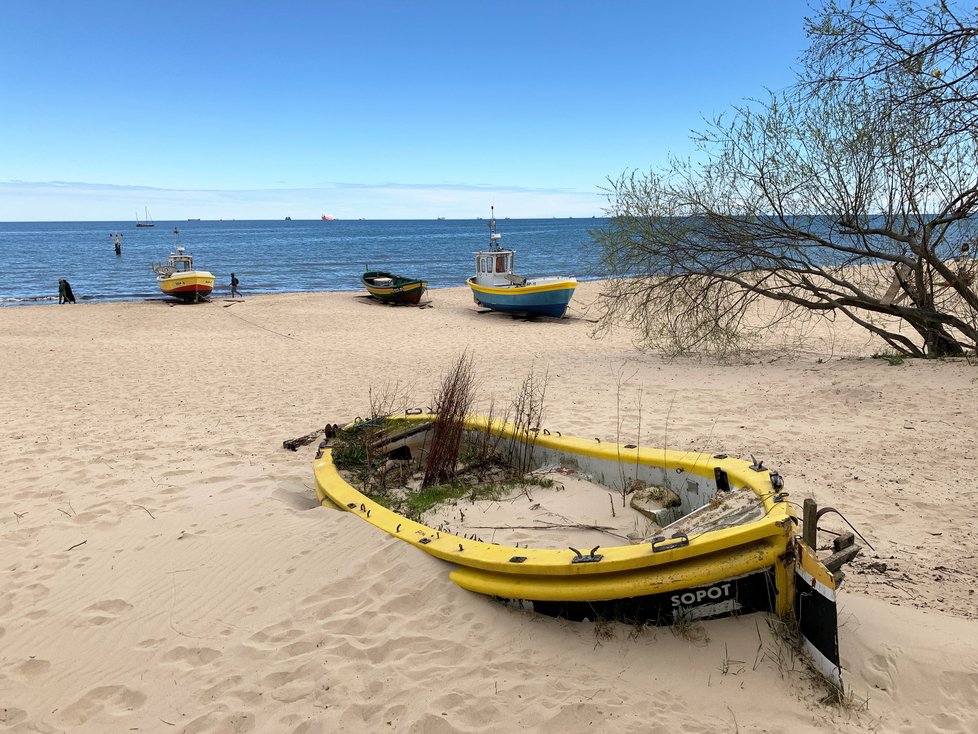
(816, 614)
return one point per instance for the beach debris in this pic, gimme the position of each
(650, 500)
(329, 431)
(144, 509)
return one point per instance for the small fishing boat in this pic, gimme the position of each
(725, 545)
(496, 287)
(392, 288)
(179, 279)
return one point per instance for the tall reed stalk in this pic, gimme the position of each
(451, 406)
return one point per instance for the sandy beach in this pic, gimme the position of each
(166, 566)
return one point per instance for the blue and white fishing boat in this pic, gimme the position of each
(496, 287)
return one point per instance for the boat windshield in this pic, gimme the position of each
(182, 263)
(500, 262)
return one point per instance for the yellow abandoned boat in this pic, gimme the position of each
(728, 546)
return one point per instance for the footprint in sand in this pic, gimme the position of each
(301, 501)
(276, 635)
(10, 717)
(314, 726)
(106, 611)
(191, 657)
(879, 669)
(110, 699)
(33, 667)
(102, 516)
(239, 721)
(37, 591)
(221, 688)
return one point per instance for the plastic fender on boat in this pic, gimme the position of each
(682, 574)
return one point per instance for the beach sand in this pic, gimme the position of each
(166, 567)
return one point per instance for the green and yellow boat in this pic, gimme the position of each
(391, 288)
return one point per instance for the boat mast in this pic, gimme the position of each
(494, 236)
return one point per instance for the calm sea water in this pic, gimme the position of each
(275, 257)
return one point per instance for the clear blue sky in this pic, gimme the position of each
(219, 109)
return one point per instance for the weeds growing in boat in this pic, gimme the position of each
(374, 454)
(528, 416)
(444, 463)
(452, 404)
(624, 486)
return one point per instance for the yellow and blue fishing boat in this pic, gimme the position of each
(728, 546)
(495, 286)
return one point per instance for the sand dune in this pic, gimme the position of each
(166, 567)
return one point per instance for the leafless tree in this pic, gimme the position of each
(853, 193)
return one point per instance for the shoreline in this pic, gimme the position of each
(159, 297)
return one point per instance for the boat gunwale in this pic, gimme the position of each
(562, 284)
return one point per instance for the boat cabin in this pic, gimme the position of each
(181, 261)
(494, 268)
(177, 262)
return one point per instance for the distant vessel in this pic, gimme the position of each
(441, 219)
(327, 217)
(496, 287)
(196, 219)
(288, 219)
(147, 222)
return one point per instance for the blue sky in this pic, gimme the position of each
(215, 109)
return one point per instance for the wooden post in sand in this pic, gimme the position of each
(809, 520)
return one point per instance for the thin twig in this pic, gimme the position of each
(75, 546)
(143, 508)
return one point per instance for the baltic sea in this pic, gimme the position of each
(275, 256)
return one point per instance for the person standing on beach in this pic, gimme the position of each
(234, 285)
(68, 295)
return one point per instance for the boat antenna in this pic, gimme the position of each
(493, 236)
